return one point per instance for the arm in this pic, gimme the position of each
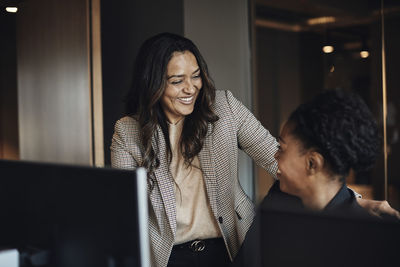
(121, 156)
(253, 138)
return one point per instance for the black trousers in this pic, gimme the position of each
(196, 253)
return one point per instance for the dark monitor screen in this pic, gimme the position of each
(290, 238)
(81, 216)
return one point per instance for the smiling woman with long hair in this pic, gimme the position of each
(151, 80)
(187, 135)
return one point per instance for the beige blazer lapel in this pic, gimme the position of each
(206, 158)
(165, 183)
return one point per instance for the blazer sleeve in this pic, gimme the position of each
(124, 145)
(253, 138)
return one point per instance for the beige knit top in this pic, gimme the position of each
(193, 211)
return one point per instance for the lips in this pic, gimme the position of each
(186, 100)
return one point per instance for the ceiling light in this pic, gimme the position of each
(328, 49)
(12, 9)
(364, 54)
(321, 20)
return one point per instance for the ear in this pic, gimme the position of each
(315, 162)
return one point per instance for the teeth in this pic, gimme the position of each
(278, 171)
(186, 99)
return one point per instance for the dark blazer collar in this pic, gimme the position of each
(343, 198)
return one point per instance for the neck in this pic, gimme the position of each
(175, 121)
(321, 193)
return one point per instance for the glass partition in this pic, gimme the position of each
(303, 47)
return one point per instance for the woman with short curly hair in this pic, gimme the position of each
(320, 143)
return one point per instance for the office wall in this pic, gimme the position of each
(220, 29)
(9, 148)
(54, 83)
(125, 26)
(393, 99)
(278, 85)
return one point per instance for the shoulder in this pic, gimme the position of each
(220, 98)
(223, 96)
(355, 209)
(276, 199)
(350, 207)
(128, 120)
(127, 123)
(222, 108)
(225, 103)
(127, 128)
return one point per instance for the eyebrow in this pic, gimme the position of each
(181, 75)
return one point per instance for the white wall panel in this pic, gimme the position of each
(220, 29)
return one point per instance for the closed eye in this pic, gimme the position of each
(176, 82)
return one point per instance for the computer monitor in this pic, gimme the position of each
(298, 238)
(79, 216)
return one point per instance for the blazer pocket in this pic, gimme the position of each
(244, 209)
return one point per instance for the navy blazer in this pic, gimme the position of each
(343, 204)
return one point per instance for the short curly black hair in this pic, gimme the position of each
(339, 126)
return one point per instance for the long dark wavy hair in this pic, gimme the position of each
(340, 126)
(143, 101)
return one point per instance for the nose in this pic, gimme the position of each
(189, 88)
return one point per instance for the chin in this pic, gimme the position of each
(187, 112)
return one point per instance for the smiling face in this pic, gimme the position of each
(182, 86)
(292, 163)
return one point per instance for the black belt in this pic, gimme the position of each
(199, 245)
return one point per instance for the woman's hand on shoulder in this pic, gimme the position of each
(378, 208)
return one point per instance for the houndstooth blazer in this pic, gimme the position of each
(236, 128)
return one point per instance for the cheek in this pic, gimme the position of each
(166, 100)
(171, 92)
(199, 84)
(291, 177)
(169, 96)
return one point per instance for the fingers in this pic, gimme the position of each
(379, 208)
(385, 208)
(372, 206)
